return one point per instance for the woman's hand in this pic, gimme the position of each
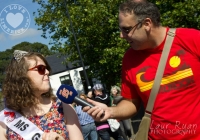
(52, 136)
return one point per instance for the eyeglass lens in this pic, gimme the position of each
(41, 69)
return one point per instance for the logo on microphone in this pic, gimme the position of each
(65, 93)
(14, 19)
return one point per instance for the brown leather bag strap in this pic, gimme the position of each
(160, 71)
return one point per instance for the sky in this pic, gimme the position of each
(17, 23)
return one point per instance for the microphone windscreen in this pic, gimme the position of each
(66, 94)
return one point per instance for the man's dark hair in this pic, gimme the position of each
(141, 9)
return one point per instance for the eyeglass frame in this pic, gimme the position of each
(129, 30)
(41, 72)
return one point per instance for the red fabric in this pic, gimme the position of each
(176, 111)
(11, 114)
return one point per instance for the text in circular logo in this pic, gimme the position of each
(14, 19)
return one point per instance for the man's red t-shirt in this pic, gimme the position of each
(176, 113)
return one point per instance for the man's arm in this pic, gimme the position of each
(125, 109)
(100, 112)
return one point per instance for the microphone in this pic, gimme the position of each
(68, 95)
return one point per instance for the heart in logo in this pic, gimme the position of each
(14, 19)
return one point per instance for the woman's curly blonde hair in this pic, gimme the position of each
(17, 88)
(117, 88)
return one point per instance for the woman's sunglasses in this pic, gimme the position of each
(40, 68)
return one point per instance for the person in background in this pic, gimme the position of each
(103, 128)
(27, 91)
(89, 94)
(86, 121)
(114, 92)
(177, 103)
(125, 125)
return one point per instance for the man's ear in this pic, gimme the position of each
(147, 24)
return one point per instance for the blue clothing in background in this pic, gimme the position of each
(83, 117)
(87, 124)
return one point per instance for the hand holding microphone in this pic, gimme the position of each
(68, 95)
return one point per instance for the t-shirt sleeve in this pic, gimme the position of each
(196, 41)
(128, 91)
(127, 88)
(189, 39)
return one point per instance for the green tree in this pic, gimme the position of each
(34, 47)
(95, 23)
(179, 13)
(4, 58)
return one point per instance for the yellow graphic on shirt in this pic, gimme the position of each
(174, 61)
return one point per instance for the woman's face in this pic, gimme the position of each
(98, 92)
(114, 91)
(40, 81)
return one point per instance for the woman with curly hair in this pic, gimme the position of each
(30, 102)
(125, 125)
(115, 91)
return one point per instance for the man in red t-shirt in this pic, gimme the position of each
(176, 110)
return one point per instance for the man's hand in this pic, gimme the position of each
(100, 111)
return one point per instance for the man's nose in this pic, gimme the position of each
(121, 35)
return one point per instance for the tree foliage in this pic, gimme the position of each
(179, 13)
(95, 23)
